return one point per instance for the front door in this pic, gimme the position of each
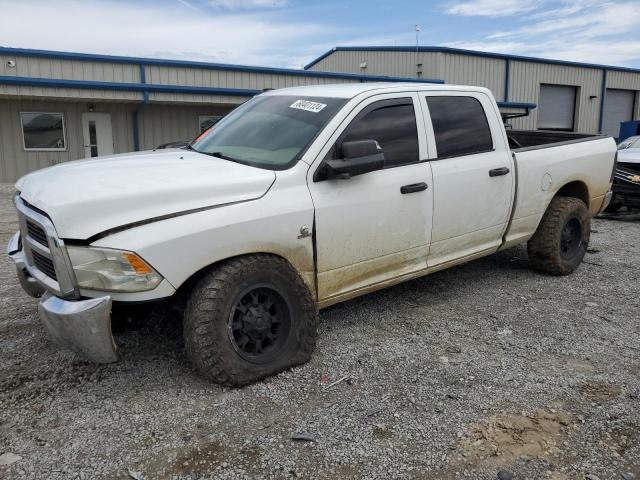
(96, 131)
(369, 229)
(473, 177)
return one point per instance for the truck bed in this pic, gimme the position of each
(546, 161)
(522, 140)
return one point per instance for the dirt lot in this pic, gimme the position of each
(481, 368)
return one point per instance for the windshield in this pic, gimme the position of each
(270, 131)
(631, 142)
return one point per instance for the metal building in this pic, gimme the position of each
(60, 106)
(570, 96)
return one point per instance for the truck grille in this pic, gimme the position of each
(46, 256)
(37, 233)
(44, 264)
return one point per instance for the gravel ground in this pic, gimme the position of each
(473, 370)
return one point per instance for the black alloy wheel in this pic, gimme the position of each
(571, 239)
(259, 323)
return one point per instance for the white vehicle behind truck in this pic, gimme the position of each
(299, 199)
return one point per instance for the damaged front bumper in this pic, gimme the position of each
(28, 283)
(83, 326)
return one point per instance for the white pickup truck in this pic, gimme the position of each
(299, 199)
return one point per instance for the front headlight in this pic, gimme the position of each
(112, 270)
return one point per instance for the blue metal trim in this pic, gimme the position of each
(25, 52)
(123, 86)
(603, 98)
(473, 53)
(150, 87)
(507, 78)
(136, 131)
(143, 79)
(525, 105)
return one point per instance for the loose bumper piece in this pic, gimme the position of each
(83, 326)
(29, 284)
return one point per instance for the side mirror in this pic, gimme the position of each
(358, 157)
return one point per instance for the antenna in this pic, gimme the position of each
(418, 64)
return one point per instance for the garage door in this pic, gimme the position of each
(556, 107)
(618, 107)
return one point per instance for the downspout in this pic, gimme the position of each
(507, 78)
(135, 117)
(603, 96)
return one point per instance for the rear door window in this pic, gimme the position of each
(460, 126)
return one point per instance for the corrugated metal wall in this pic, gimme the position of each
(38, 67)
(168, 117)
(477, 71)
(400, 64)
(15, 161)
(524, 85)
(158, 124)
(457, 69)
(62, 69)
(169, 123)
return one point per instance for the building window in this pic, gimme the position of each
(460, 126)
(43, 131)
(207, 121)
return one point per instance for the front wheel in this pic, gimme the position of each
(562, 238)
(249, 318)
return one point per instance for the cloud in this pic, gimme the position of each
(247, 4)
(492, 8)
(145, 29)
(594, 31)
(188, 5)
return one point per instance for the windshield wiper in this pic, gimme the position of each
(215, 154)
(223, 156)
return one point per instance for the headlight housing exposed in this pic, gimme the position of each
(112, 270)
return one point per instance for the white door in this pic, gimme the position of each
(473, 178)
(96, 132)
(618, 108)
(369, 229)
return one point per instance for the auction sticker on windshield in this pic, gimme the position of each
(307, 105)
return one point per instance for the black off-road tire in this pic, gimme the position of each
(209, 344)
(546, 249)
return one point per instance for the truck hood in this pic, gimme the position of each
(87, 197)
(629, 155)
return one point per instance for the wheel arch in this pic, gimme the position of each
(575, 189)
(185, 287)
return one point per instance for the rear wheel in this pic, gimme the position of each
(562, 238)
(249, 318)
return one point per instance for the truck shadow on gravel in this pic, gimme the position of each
(158, 335)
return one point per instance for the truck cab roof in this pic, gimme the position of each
(351, 90)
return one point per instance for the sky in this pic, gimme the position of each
(291, 33)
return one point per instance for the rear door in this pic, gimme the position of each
(368, 231)
(473, 178)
